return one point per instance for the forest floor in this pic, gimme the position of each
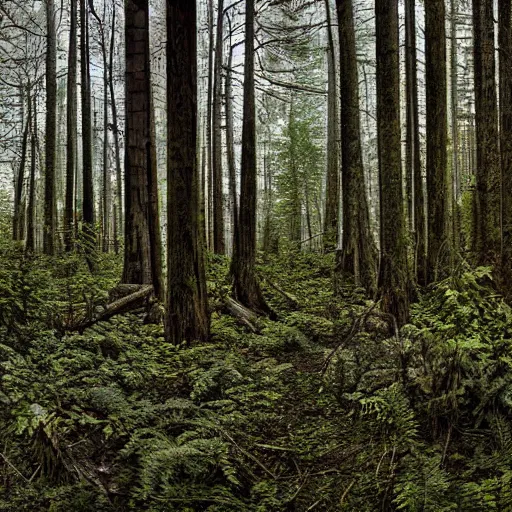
(324, 409)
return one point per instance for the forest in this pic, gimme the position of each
(255, 255)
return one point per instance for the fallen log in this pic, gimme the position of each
(244, 315)
(292, 301)
(127, 303)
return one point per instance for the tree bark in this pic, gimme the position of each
(71, 122)
(246, 287)
(17, 226)
(393, 277)
(359, 254)
(332, 199)
(209, 146)
(115, 130)
(505, 45)
(50, 204)
(31, 212)
(413, 149)
(87, 175)
(218, 193)
(437, 158)
(187, 309)
(142, 247)
(487, 200)
(230, 139)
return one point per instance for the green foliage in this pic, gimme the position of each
(321, 409)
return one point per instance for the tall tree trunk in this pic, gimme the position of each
(436, 94)
(359, 254)
(413, 148)
(505, 45)
(218, 193)
(31, 208)
(209, 146)
(246, 287)
(87, 174)
(230, 138)
(394, 283)
(187, 317)
(115, 131)
(71, 122)
(487, 242)
(142, 248)
(17, 225)
(50, 205)
(106, 174)
(332, 200)
(456, 221)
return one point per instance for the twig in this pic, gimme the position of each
(347, 490)
(355, 328)
(7, 461)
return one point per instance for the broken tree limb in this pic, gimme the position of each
(292, 301)
(124, 304)
(242, 314)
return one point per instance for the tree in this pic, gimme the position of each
(142, 248)
(332, 199)
(436, 94)
(218, 192)
(416, 199)
(50, 204)
(87, 176)
(17, 225)
(246, 287)
(505, 45)
(71, 121)
(487, 199)
(358, 256)
(393, 277)
(187, 308)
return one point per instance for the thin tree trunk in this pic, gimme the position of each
(31, 209)
(209, 112)
(17, 227)
(87, 175)
(218, 193)
(456, 221)
(71, 121)
(230, 139)
(359, 254)
(413, 154)
(246, 286)
(50, 205)
(437, 158)
(332, 200)
(187, 318)
(393, 278)
(115, 130)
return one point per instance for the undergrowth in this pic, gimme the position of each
(325, 409)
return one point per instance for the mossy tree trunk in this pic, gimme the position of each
(394, 286)
(436, 94)
(187, 308)
(359, 255)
